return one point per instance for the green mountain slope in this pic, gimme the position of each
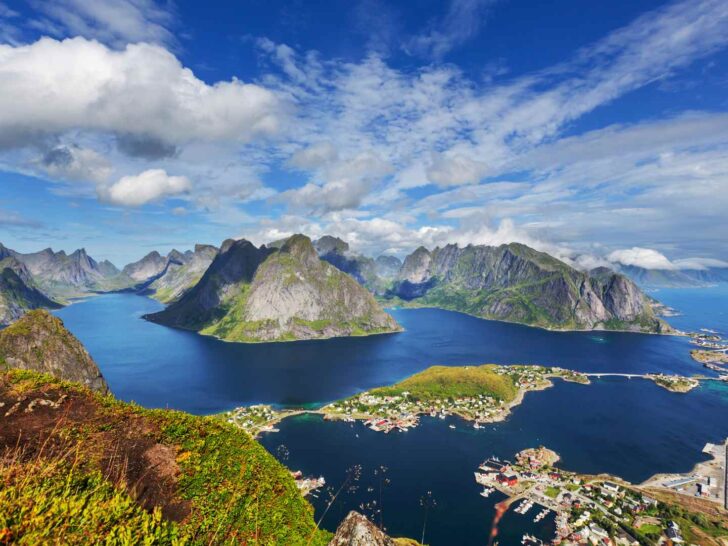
(276, 294)
(519, 284)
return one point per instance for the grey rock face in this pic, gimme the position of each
(356, 530)
(282, 293)
(40, 342)
(18, 293)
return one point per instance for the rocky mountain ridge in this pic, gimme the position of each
(18, 293)
(516, 283)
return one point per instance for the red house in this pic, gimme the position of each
(509, 480)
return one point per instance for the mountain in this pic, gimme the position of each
(181, 272)
(674, 278)
(373, 274)
(516, 283)
(18, 293)
(88, 469)
(39, 342)
(64, 276)
(275, 294)
(148, 267)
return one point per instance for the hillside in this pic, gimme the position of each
(18, 293)
(39, 342)
(519, 284)
(95, 470)
(441, 382)
(275, 294)
(150, 266)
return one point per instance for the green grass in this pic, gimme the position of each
(454, 382)
(552, 491)
(237, 493)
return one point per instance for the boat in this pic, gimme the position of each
(452, 426)
(486, 492)
(476, 425)
(542, 514)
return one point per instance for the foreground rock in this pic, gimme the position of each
(39, 342)
(519, 284)
(356, 530)
(276, 294)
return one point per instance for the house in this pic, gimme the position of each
(611, 487)
(510, 480)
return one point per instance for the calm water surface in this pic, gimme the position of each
(630, 428)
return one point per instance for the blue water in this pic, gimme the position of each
(158, 366)
(630, 428)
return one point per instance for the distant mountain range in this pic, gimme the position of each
(296, 289)
(275, 293)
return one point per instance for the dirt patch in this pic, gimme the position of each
(51, 422)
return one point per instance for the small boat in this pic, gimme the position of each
(452, 426)
(486, 492)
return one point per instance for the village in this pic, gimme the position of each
(401, 412)
(592, 509)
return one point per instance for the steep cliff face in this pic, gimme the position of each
(39, 342)
(516, 283)
(18, 293)
(357, 530)
(145, 269)
(268, 294)
(181, 272)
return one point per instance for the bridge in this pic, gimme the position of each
(610, 374)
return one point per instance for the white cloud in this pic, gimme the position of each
(74, 163)
(641, 257)
(51, 87)
(454, 170)
(113, 22)
(462, 22)
(699, 263)
(146, 187)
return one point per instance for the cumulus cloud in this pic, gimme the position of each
(141, 92)
(146, 187)
(74, 163)
(641, 257)
(346, 182)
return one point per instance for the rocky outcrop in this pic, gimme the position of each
(39, 342)
(356, 530)
(18, 293)
(275, 294)
(516, 283)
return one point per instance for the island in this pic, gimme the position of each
(709, 357)
(477, 394)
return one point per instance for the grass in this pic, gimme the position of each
(84, 490)
(552, 491)
(445, 382)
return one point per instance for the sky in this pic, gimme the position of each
(595, 131)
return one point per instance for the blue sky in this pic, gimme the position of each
(595, 131)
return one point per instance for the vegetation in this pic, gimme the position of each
(93, 469)
(438, 382)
